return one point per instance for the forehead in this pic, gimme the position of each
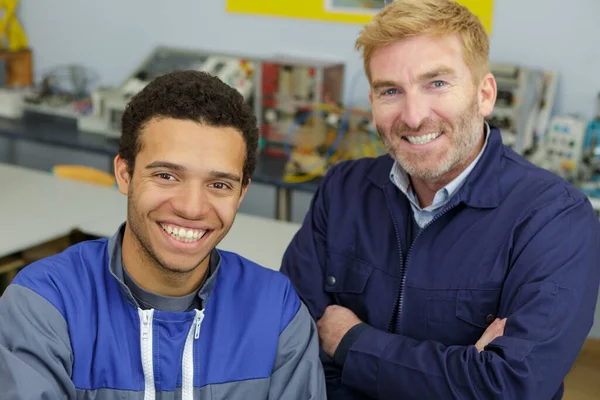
(191, 144)
(413, 56)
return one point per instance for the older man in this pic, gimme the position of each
(406, 260)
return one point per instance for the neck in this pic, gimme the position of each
(425, 189)
(150, 275)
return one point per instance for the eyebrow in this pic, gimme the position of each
(225, 175)
(434, 73)
(165, 165)
(378, 84)
(177, 167)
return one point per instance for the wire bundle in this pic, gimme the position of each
(335, 152)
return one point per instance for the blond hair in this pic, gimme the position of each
(402, 19)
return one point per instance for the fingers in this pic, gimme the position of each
(496, 329)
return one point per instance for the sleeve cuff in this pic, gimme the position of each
(339, 357)
(361, 370)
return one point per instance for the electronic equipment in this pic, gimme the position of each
(564, 145)
(591, 144)
(590, 175)
(11, 102)
(293, 101)
(350, 135)
(63, 92)
(109, 103)
(524, 104)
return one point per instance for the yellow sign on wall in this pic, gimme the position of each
(351, 11)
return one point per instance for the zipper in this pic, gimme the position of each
(398, 305)
(146, 352)
(187, 364)
(402, 272)
(197, 331)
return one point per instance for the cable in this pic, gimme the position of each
(332, 153)
(344, 123)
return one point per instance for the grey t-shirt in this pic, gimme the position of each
(194, 300)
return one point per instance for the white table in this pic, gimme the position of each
(595, 203)
(36, 207)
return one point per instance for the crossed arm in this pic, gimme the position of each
(337, 321)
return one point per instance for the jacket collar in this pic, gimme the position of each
(481, 189)
(115, 265)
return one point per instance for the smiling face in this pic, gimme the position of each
(426, 106)
(183, 196)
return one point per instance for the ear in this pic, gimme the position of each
(122, 174)
(371, 104)
(244, 191)
(487, 95)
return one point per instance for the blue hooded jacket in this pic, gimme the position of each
(71, 328)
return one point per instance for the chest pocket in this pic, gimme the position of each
(460, 317)
(346, 279)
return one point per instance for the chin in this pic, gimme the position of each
(430, 170)
(180, 268)
(180, 262)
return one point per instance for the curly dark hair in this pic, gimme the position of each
(188, 95)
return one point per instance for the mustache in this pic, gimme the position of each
(401, 129)
(427, 126)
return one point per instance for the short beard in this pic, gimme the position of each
(464, 139)
(145, 246)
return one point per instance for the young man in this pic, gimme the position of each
(405, 260)
(157, 311)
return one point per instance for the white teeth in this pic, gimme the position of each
(423, 139)
(182, 234)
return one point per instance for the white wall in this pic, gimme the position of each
(554, 34)
(113, 37)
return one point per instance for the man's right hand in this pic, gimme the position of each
(496, 329)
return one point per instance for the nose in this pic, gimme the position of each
(191, 202)
(414, 110)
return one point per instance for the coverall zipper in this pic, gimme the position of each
(395, 326)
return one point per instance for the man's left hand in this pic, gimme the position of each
(333, 325)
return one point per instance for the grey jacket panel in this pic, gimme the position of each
(256, 389)
(36, 359)
(114, 394)
(298, 372)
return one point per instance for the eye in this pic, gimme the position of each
(438, 84)
(165, 176)
(389, 92)
(220, 185)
